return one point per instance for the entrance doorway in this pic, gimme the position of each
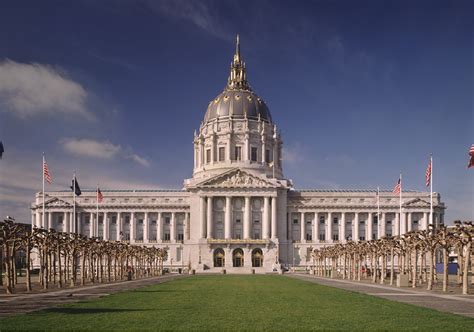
(257, 258)
(238, 258)
(219, 257)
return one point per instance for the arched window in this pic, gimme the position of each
(219, 257)
(238, 258)
(257, 258)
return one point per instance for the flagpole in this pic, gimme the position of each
(378, 210)
(96, 226)
(431, 190)
(74, 201)
(42, 169)
(400, 223)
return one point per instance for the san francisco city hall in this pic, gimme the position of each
(238, 211)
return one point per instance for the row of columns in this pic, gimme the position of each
(269, 216)
(400, 226)
(77, 227)
(200, 150)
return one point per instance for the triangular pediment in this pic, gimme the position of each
(237, 179)
(56, 202)
(416, 202)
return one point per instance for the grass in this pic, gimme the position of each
(217, 303)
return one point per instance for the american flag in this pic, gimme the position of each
(47, 176)
(398, 186)
(471, 160)
(428, 173)
(100, 197)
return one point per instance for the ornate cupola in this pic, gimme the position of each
(238, 77)
(237, 130)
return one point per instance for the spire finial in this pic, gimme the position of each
(237, 78)
(237, 47)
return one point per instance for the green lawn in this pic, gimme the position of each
(238, 303)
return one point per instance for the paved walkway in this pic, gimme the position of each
(23, 303)
(456, 304)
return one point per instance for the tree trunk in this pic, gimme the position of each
(28, 265)
(430, 277)
(467, 256)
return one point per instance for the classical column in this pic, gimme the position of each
(355, 236)
(289, 222)
(274, 218)
(247, 212)
(38, 218)
(409, 222)
(33, 220)
(302, 230)
(383, 225)
(227, 225)
(145, 228)
(263, 150)
(50, 220)
(186, 225)
(213, 148)
(92, 225)
(65, 222)
(72, 227)
(229, 150)
(246, 147)
(342, 232)
(266, 217)
(132, 227)
(397, 224)
(203, 217)
(329, 228)
(159, 227)
(202, 151)
(173, 227)
(119, 225)
(316, 228)
(105, 227)
(426, 216)
(403, 223)
(370, 224)
(210, 216)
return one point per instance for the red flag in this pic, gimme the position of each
(428, 173)
(398, 186)
(100, 197)
(47, 176)
(471, 154)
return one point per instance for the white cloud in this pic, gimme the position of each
(90, 148)
(101, 150)
(31, 89)
(140, 160)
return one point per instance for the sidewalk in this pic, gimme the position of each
(455, 304)
(23, 303)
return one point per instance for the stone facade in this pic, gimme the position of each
(237, 212)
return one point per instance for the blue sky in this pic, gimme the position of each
(114, 90)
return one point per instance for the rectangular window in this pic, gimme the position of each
(253, 154)
(238, 153)
(237, 221)
(167, 220)
(309, 237)
(221, 153)
(256, 221)
(322, 237)
(256, 235)
(335, 237)
(180, 236)
(295, 221)
(208, 156)
(267, 156)
(167, 236)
